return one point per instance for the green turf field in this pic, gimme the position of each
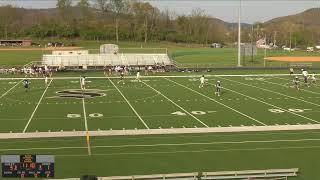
(165, 103)
(182, 55)
(160, 102)
(180, 153)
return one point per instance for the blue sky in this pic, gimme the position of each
(253, 10)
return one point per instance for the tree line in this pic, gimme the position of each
(130, 20)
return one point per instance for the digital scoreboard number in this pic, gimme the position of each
(27, 165)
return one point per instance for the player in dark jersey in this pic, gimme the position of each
(296, 83)
(26, 84)
(121, 77)
(218, 88)
(105, 70)
(291, 71)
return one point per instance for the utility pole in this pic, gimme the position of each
(275, 38)
(265, 50)
(239, 35)
(252, 36)
(290, 41)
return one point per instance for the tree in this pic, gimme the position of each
(142, 12)
(118, 7)
(62, 4)
(64, 9)
(83, 3)
(84, 7)
(102, 5)
(10, 20)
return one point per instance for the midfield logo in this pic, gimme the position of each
(79, 94)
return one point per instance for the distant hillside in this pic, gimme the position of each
(310, 17)
(303, 27)
(143, 22)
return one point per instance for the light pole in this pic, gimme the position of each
(239, 35)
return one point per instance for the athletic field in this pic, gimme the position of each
(165, 104)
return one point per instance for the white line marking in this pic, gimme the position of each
(165, 144)
(146, 77)
(271, 91)
(217, 102)
(144, 123)
(200, 151)
(270, 104)
(287, 86)
(176, 104)
(10, 89)
(84, 114)
(35, 109)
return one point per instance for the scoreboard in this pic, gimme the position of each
(27, 165)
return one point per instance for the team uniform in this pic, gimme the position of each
(296, 83)
(46, 81)
(313, 78)
(105, 71)
(121, 77)
(305, 77)
(201, 82)
(291, 71)
(218, 88)
(138, 76)
(146, 71)
(26, 84)
(83, 83)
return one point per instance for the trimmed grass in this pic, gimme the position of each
(260, 94)
(181, 153)
(267, 100)
(183, 55)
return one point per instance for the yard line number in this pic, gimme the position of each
(179, 113)
(278, 111)
(92, 115)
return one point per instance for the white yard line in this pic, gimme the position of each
(168, 76)
(313, 84)
(84, 114)
(137, 132)
(35, 109)
(218, 102)
(163, 145)
(199, 151)
(86, 127)
(144, 123)
(271, 105)
(274, 92)
(10, 89)
(287, 86)
(176, 105)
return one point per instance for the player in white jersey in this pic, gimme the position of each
(83, 82)
(201, 82)
(305, 77)
(313, 78)
(138, 76)
(46, 81)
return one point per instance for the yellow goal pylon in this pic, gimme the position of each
(88, 143)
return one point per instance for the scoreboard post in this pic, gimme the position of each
(27, 165)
